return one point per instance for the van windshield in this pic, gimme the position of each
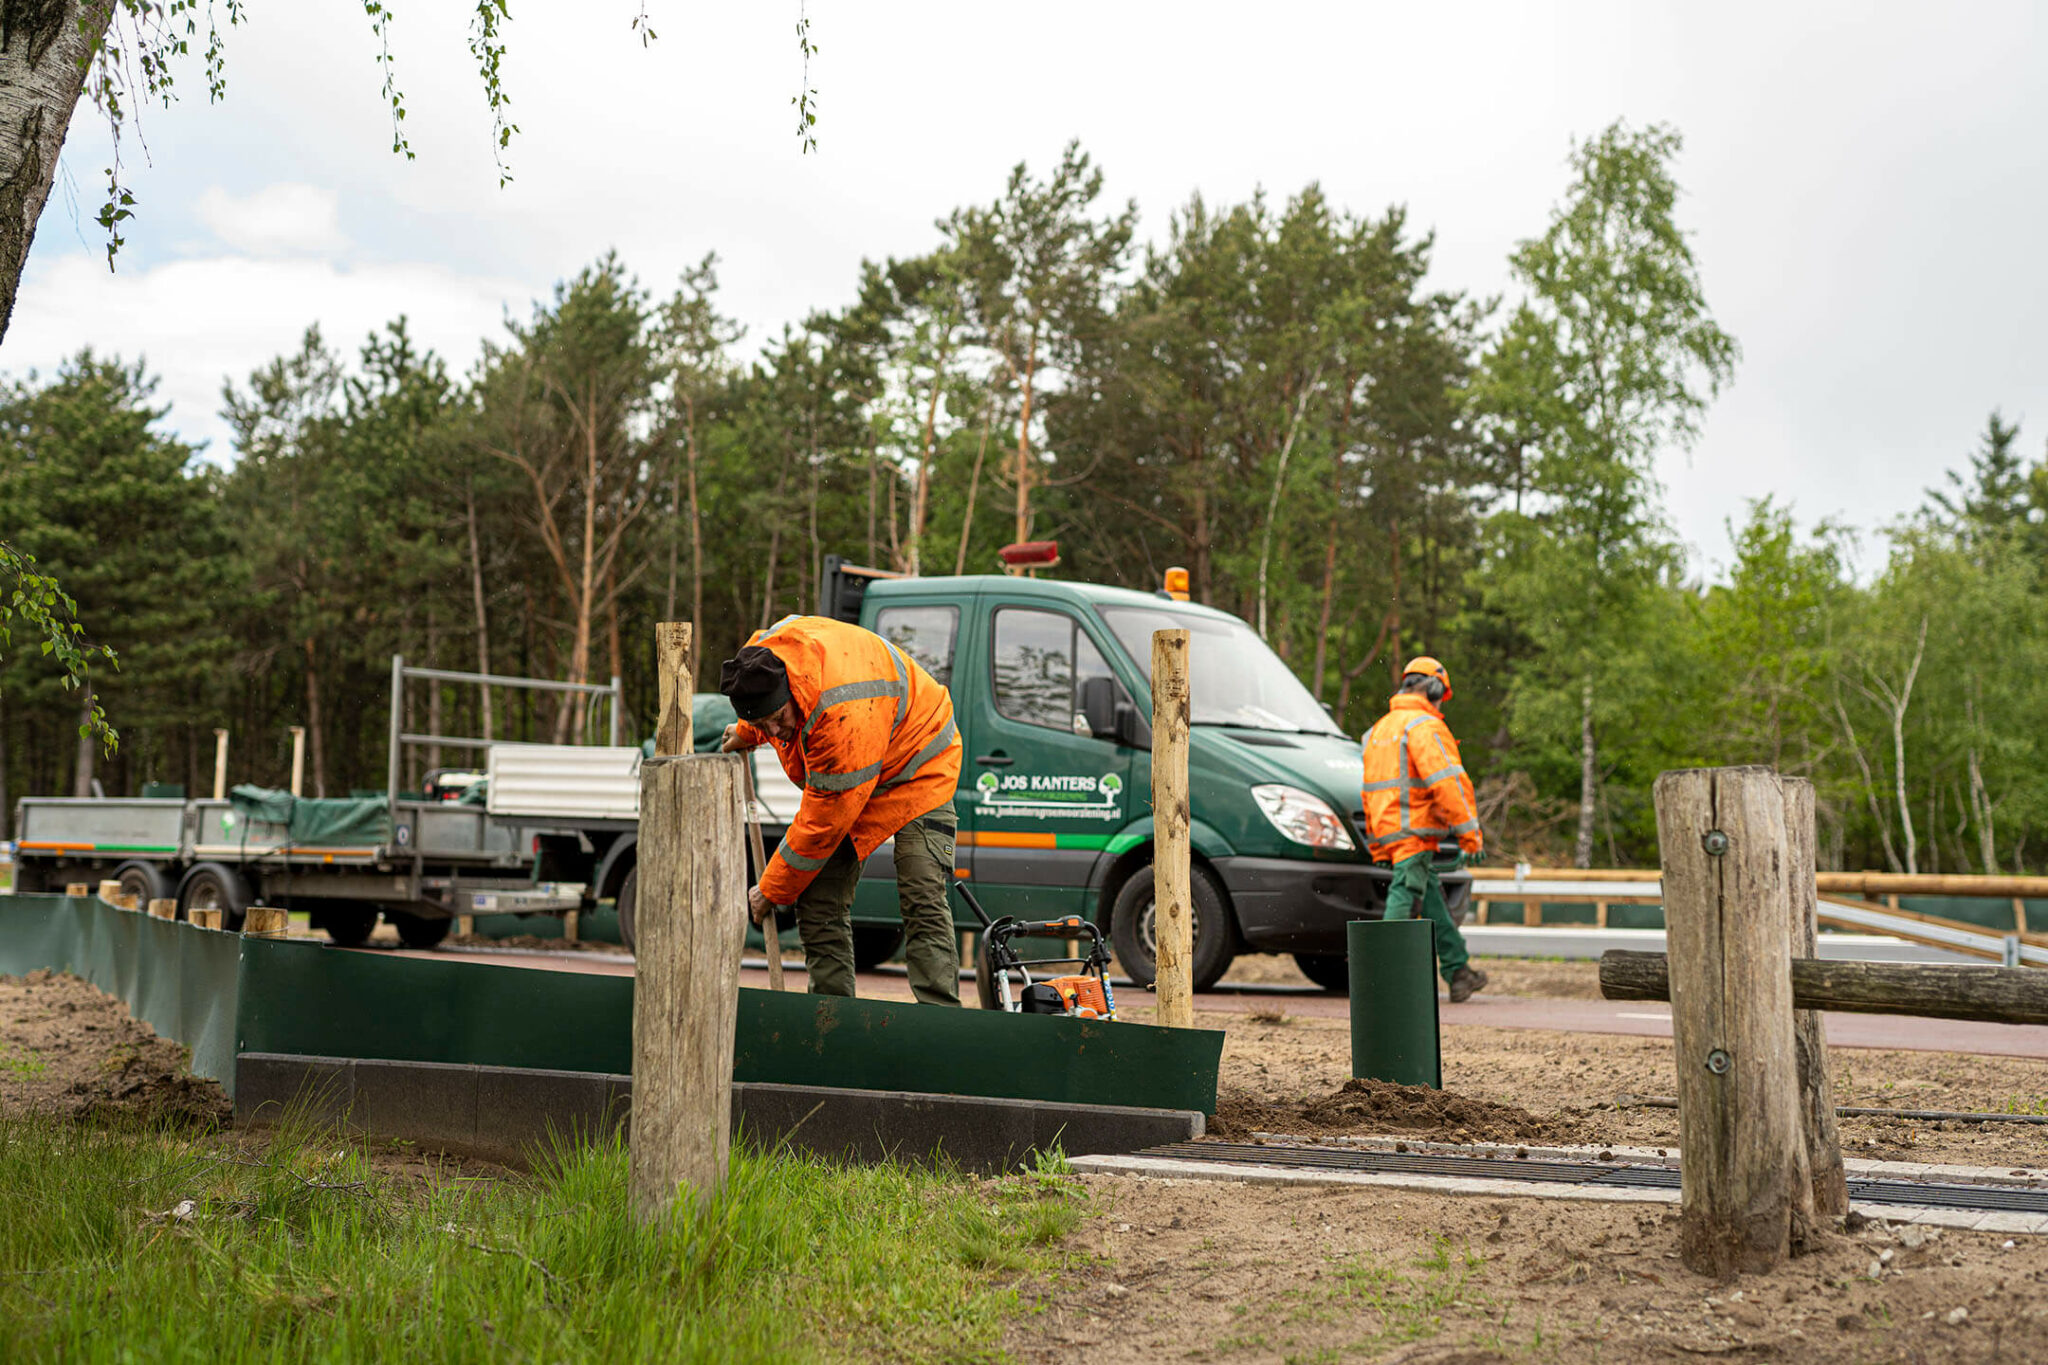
(1233, 678)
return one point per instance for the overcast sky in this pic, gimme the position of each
(1864, 183)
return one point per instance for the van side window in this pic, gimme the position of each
(926, 634)
(1040, 660)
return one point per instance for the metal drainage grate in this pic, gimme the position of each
(1600, 1174)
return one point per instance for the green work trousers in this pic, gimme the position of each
(924, 872)
(1416, 885)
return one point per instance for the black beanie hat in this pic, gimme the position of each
(755, 681)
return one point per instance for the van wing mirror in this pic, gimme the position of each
(1098, 706)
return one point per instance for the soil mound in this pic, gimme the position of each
(1363, 1108)
(68, 1050)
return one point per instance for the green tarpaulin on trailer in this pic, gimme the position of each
(316, 820)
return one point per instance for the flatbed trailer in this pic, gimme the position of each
(557, 832)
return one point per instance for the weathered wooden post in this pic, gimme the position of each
(1747, 1188)
(1173, 921)
(266, 921)
(220, 765)
(1816, 1089)
(690, 925)
(163, 907)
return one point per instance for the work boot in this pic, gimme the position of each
(1465, 983)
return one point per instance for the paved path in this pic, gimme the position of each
(1648, 1019)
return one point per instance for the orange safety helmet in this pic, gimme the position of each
(1423, 663)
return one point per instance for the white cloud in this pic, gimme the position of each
(277, 220)
(198, 322)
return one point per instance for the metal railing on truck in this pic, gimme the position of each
(402, 739)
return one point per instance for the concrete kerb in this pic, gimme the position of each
(509, 1114)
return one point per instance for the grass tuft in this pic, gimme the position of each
(139, 1243)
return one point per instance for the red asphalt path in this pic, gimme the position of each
(1646, 1019)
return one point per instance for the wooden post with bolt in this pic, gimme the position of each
(1746, 1185)
(1172, 877)
(220, 765)
(1809, 1038)
(689, 928)
(298, 760)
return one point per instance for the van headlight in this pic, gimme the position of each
(1303, 817)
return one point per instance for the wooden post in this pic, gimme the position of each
(298, 760)
(1816, 1089)
(2019, 915)
(163, 907)
(110, 891)
(1746, 1187)
(571, 925)
(266, 921)
(78, 890)
(689, 929)
(675, 674)
(1600, 914)
(203, 919)
(465, 925)
(220, 765)
(1172, 886)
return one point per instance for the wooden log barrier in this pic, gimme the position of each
(1809, 1039)
(1746, 1198)
(1172, 873)
(690, 924)
(1995, 995)
(266, 921)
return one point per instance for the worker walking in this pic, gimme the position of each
(870, 738)
(1417, 793)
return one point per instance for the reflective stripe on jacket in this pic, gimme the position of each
(877, 748)
(1416, 791)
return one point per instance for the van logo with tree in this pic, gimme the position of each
(1047, 796)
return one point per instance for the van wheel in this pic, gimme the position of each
(146, 882)
(874, 944)
(348, 924)
(419, 931)
(215, 886)
(1331, 971)
(629, 892)
(1133, 935)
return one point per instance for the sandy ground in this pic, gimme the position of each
(68, 1050)
(1182, 1270)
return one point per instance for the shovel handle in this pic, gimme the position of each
(769, 936)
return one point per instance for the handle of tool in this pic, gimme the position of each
(769, 936)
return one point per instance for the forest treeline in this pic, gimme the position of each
(1271, 395)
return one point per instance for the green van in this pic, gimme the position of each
(1051, 687)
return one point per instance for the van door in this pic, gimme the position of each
(1047, 794)
(930, 633)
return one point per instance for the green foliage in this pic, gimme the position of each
(303, 1248)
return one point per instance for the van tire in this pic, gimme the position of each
(629, 893)
(1215, 936)
(216, 886)
(1331, 971)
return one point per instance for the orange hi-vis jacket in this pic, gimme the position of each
(878, 746)
(1416, 791)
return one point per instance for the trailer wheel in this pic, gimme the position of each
(349, 924)
(1331, 971)
(146, 882)
(215, 886)
(419, 931)
(1132, 934)
(629, 892)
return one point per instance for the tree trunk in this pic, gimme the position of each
(921, 500)
(1273, 502)
(1900, 702)
(1329, 600)
(6, 809)
(696, 529)
(570, 713)
(1589, 778)
(1024, 445)
(988, 418)
(874, 487)
(45, 51)
(81, 779)
(483, 628)
(316, 745)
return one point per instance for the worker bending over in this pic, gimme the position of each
(869, 737)
(1416, 793)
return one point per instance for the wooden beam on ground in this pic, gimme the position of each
(689, 929)
(1746, 1186)
(1809, 1038)
(1172, 871)
(1927, 990)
